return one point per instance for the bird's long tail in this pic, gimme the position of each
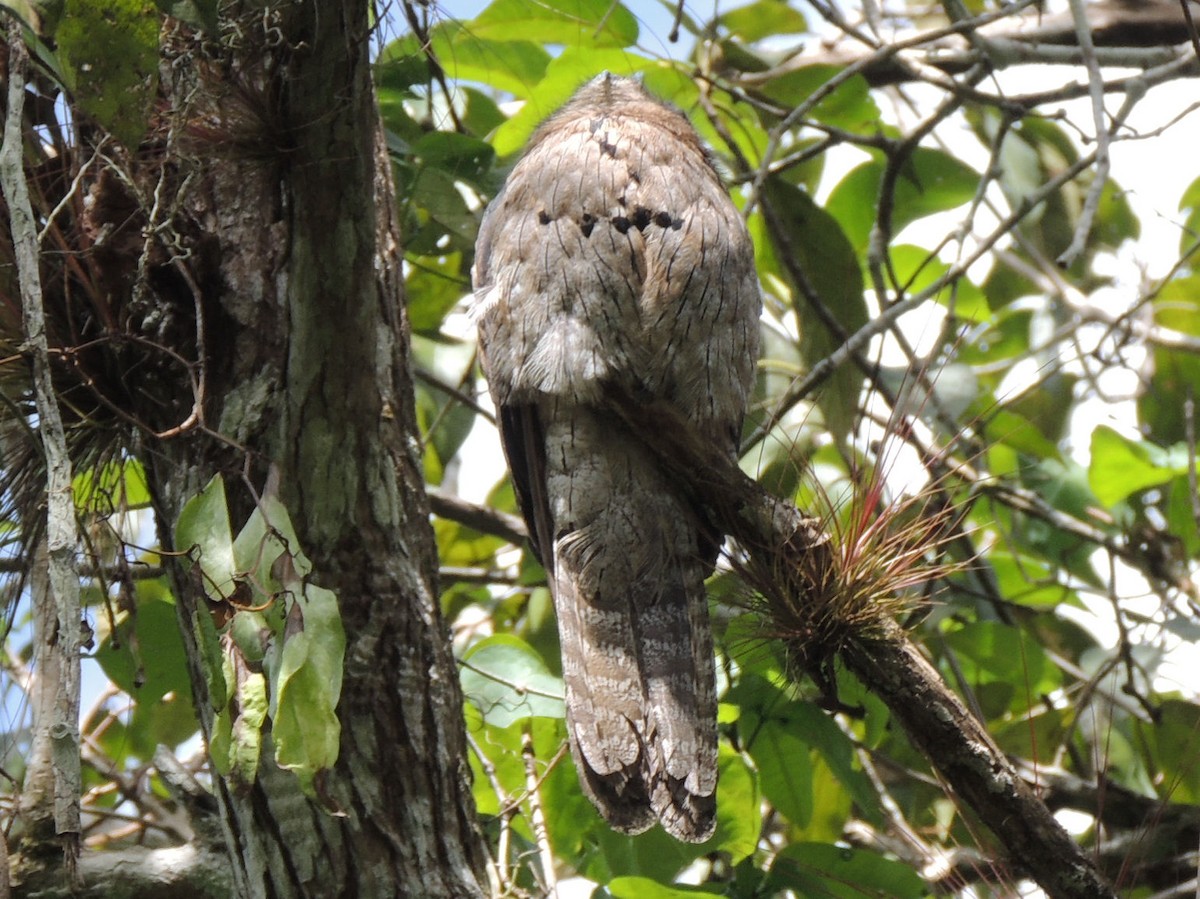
(637, 647)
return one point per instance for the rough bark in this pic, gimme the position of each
(292, 290)
(55, 779)
(963, 752)
(181, 872)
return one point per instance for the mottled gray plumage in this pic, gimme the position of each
(614, 256)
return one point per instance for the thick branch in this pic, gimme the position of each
(965, 755)
(191, 871)
(881, 655)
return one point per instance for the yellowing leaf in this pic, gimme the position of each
(307, 686)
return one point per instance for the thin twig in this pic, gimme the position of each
(1191, 26)
(537, 817)
(500, 864)
(484, 519)
(69, 194)
(673, 34)
(1083, 227)
(1189, 426)
(821, 371)
(421, 32)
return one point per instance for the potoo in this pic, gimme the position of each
(614, 256)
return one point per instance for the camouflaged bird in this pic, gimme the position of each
(614, 256)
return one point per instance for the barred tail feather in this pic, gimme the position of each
(641, 705)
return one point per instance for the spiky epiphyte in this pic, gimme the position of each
(124, 271)
(878, 555)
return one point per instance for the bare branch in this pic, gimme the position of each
(189, 870)
(1087, 215)
(1135, 35)
(481, 518)
(58, 719)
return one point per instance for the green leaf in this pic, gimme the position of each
(267, 536)
(220, 741)
(109, 53)
(819, 249)
(308, 684)
(654, 854)
(832, 805)
(515, 65)
(849, 105)
(1032, 153)
(400, 67)
(764, 18)
(507, 681)
(1115, 222)
(822, 733)
(1121, 467)
(460, 545)
(822, 869)
(735, 119)
(1005, 335)
(735, 56)
(116, 486)
(930, 181)
(219, 688)
(1048, 405)
(1016, 431)
(459, 155)
(645, 888)
(251, 633)
(739, 812)
(144, 654)
(1182, 520)
(917, 269)
(1064, 485)
(1026, 734)
(480, 115)
(568, 22)
(201, 14)
(570, 817)
(433, 287)
(1176, 371)
(991, 653)
(1174, 740)
(236, 742)
(246, 738)
(487, 802)
(203, 530)
(563, 76)
(446, 421)
(443, 212)
(1027, 580)
(170, 720)
(780, 736)
(784, 768)
(1005, 284)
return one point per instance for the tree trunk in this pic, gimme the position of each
(293, 288)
